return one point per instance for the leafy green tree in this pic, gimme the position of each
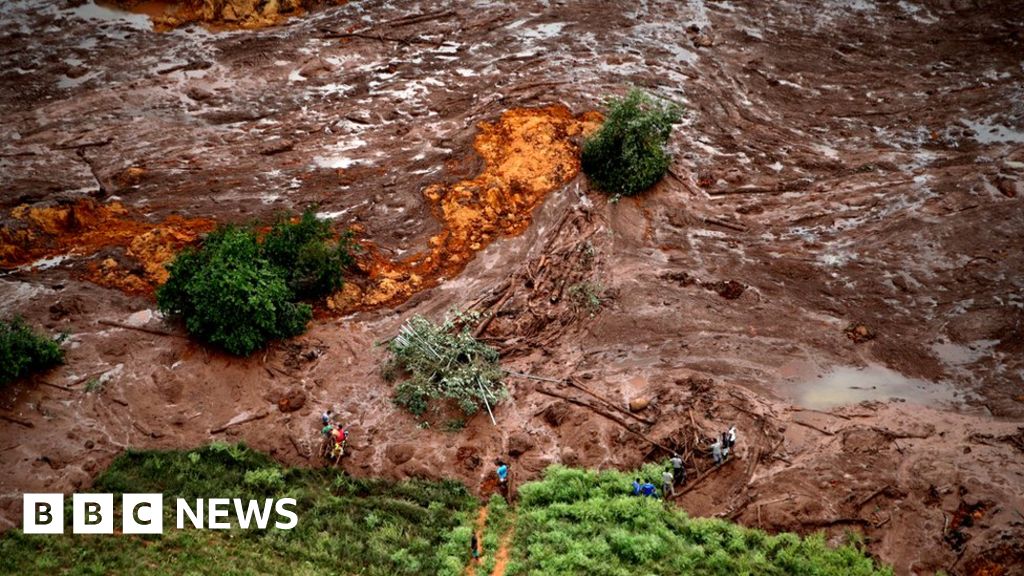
(627, 155)
(230, 296)
(22, 351)
(307, 256)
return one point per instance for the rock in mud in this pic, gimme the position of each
(519, 443)
(400, 453)
(555, 413)
(287, 399)
(639, 404)
(729, 289)
(468, 457)
(859, 333)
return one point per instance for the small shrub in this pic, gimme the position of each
(22, 351)
(229, 295)
(627, 155)
(587, 297)
(444, 361)
(265, 479)
(94, 385)
(306, 255)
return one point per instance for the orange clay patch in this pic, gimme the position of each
(527, 153)
(218, 15)
(86, 227)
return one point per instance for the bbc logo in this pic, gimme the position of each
(93, 513)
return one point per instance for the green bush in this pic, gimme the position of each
(304, 252)
(444, 361)
(22, 351)
(627, 155)
(229, 295)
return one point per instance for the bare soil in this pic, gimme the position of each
(834, 263)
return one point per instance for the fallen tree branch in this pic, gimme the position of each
(702, 477)
(140, 329)
(257, 416)
(813, 427)
(149, 433)
(297, 449)
(18, 421)
(873, 495)
(497, 308)
(604, 413)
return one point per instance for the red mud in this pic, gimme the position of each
(833, 264)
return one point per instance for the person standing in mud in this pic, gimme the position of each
(503, 477)
(678, 470)
(716, 451)
(668, 483)
(474, 548)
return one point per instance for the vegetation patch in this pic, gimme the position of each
(23, 352)
(346, 525)
(237, 293)
(307, 256)
(444, 361)
(585, 522)
(627, 155)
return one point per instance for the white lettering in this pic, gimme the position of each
(281, 509)
(218, 508)
(185, 510)
(253, 509)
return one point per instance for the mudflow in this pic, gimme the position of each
(834, 262)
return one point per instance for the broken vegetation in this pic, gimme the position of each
(444, 361)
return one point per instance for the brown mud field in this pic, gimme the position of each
(835, 262)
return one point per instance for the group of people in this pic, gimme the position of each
(675, 474)
(334, 436)
(721, 446)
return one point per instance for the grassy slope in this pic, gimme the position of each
(585, 522)
(346, 526)
(571, 522)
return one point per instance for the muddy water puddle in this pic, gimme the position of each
(848, 385)
(101, 12)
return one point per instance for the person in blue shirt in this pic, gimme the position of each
(649, 490)
(636, 487)
(502, 473)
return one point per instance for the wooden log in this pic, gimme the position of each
(813, 427)
(253, 418)
(604, 413)
(17, 421)
(873, 495)
(140, 329)
(697, 481)
(497, 308)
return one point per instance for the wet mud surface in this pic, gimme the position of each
(835, 262)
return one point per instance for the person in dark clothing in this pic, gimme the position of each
(678, 470)
(474, 546)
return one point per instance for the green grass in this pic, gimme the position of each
(346, 526)
(570, 522)
(585, 522)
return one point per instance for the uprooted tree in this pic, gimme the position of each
(627, 155)
(444, 361)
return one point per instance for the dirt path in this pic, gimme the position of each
(501, 556)
(478, 529)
